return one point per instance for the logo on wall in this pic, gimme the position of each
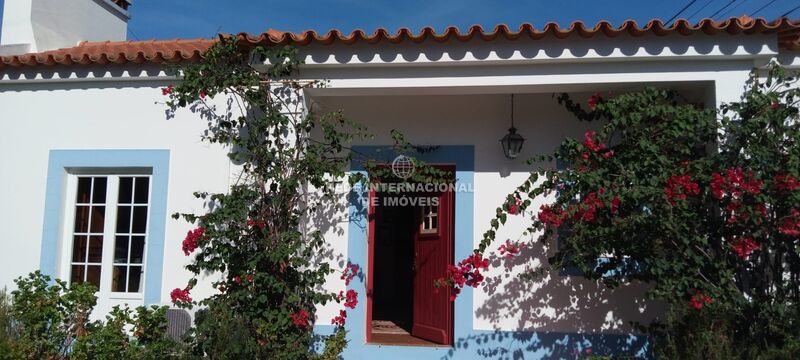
(403, 167)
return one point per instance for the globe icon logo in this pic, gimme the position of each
(403, 167)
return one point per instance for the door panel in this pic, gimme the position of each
(433, 252)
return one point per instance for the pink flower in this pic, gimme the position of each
(608, 154)
(300, 318)
(349, 273)
(743, 248)
(237, 279)
(203, 94)
(190, 242)
(181, 295)
(773, 104)
(167, 90)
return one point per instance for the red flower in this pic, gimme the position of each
(699, 300)
(256, 223)
(678, 186)
(591, 143)
(467, 273)
(773, 104)
(300, 318)
(513, 208)
(339, 320)
(508, 249)
(547, 216)
(250, 277)
(790, 225)
(735, 182)
(608, 154)
(593, 100)
(786, 183)
(237, 279)
(351, 299)
(167, 90)
(182, 295)
(203, 94)
(615, 205)
(585, 155)
(190, 242)
(743, 248)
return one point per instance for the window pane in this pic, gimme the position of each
(119, 279)
(123, 219)
(81, 219)
(121, 250)
(95, 249)
(84, 189)
(98, 218)
(135, 279)
(93, 275)
(139, 220)
(125, 190)
(76, 275)
(142, 190)
(137, 249)
(79, 248)
(99, 193)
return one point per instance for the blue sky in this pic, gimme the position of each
(167, 19)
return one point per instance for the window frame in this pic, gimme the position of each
(109, 227)
(63, 161)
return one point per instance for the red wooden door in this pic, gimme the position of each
(433, 251)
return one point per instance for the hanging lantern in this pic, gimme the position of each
(512, 142)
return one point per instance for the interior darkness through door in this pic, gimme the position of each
(393, 287)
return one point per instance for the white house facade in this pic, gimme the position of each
(93, 165)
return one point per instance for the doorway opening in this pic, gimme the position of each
(393, 262)
(411, 243)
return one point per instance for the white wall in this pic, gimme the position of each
(117, 115)
(53, 24)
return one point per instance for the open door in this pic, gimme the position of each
(433, 252)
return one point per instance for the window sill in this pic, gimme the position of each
(125, 296)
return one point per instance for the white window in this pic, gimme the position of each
(106, 231)
(430, 219)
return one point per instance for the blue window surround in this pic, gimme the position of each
(60, 160)
(468, 343)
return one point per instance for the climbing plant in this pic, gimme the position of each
(702, 204)
(255, 239)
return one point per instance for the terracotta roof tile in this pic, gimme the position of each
(787, 30)
(174, 51)
(107, 52)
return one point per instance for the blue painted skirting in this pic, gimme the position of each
(469, 343)
(60, 160)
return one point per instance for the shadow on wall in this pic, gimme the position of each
(548, 345)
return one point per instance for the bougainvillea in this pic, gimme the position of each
(270, 273)
(700, 203)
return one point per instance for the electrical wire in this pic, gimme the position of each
(762, 8)
(723, 8)
(700, 9)
(733, 8)
(791, 11)
(679, 12)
